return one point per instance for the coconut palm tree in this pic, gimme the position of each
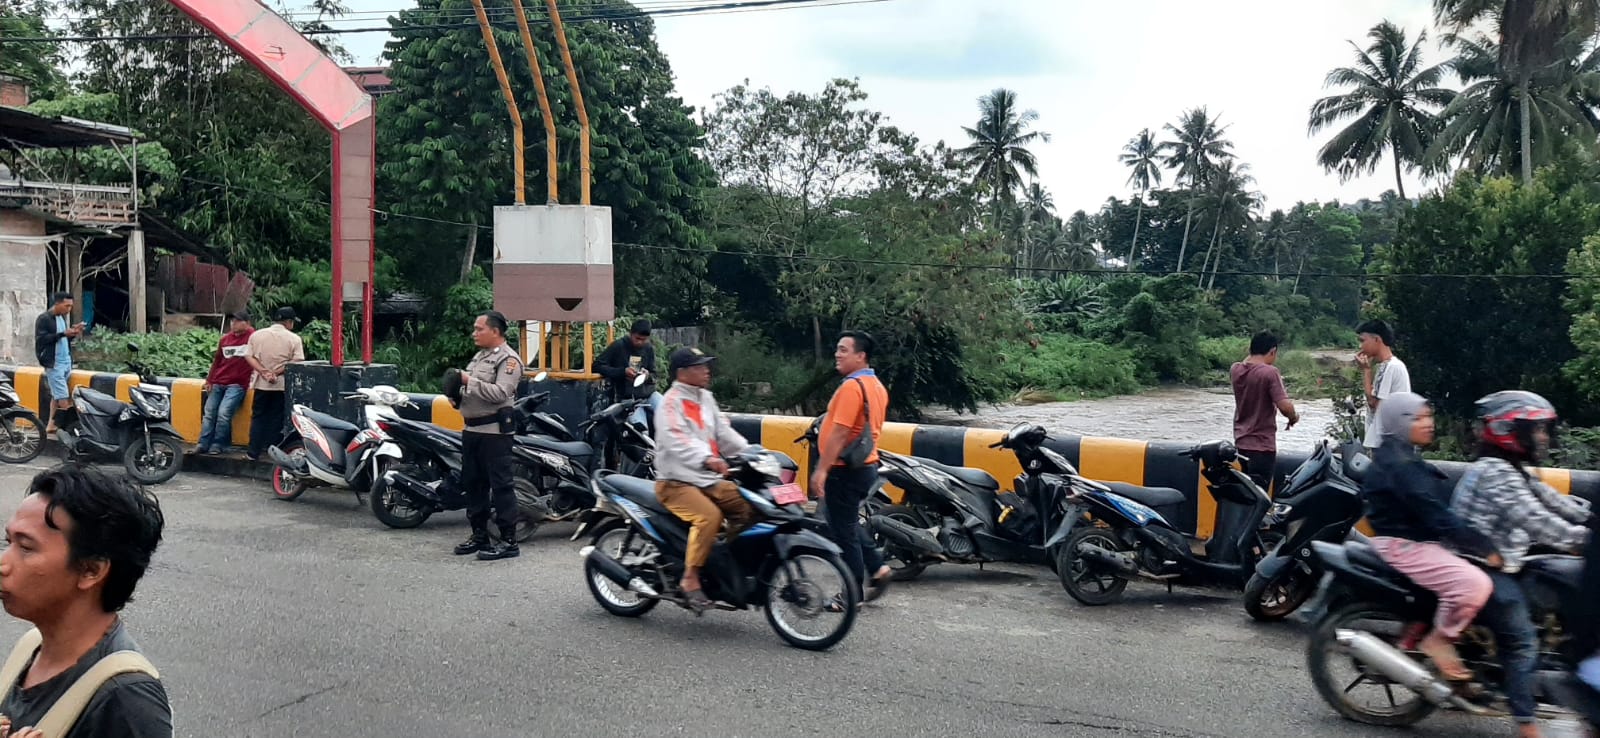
(1143, 156)
(1483, 126)
(1530, 38)
(1391, 100)
(1232, 204)
(1196, 148)
(999, 153)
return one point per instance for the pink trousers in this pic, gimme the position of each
(1461, 587)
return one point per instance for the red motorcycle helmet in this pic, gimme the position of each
(1507, 420)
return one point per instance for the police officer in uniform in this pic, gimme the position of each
(487, 389)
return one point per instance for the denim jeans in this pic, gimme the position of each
(638, 417)
(216, 425)
(1508, 616)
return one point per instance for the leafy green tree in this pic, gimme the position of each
(999, 152)
(1392, 100)
(1533, 34)
(1196, 149)
(1142, 156)
(446, 150)
(40, 64)
(1463, 339)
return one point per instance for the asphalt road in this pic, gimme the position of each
(310, 618)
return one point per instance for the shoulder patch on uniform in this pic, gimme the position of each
(512, 365)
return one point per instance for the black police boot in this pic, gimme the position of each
(505, 548)
(478, 541)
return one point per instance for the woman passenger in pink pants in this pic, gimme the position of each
(1408, 507)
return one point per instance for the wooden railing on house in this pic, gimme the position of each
(78, 203)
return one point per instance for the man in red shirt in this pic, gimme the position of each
(226, 385)
(1258, 397)
(860, 402)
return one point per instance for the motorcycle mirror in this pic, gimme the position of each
(134, 347)
(541, 376)
(638, 381)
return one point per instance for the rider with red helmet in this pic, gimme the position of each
(1500, 498)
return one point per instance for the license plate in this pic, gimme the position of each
(788, 494)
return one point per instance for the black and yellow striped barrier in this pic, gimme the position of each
(1104, 459)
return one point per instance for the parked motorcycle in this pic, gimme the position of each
(783, 564)
(1377, 616)
(325, 451)
(1120, 538)
(959, 515)
(1321, 501)
(21, 433)
(138, 432)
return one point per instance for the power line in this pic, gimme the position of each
(743, 6)
(850, 260)
(532, 6)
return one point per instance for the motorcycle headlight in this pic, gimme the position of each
(152, 405)
(766, 465)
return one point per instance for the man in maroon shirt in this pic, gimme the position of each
(1258, 397)
(225, 385)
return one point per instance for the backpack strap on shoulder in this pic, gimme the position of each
(21, 654)
(66, 711)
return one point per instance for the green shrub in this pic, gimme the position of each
(186, 354)
(1066, 367)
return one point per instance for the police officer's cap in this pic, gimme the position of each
(452, 384)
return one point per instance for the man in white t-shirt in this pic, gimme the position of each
(1382, 374)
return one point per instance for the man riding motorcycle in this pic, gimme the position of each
(692, 439)
(1499, 498)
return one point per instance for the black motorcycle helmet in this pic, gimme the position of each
(451, 385)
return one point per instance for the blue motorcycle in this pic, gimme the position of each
(783, 564)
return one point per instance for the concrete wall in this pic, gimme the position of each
(1104, 459)
(22, 286)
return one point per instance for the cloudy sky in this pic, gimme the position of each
(1097, 72)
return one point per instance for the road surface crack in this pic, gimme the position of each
(1076, 718)
(303, 698)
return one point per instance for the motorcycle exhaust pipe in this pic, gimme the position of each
(301, 466)
(907, 535)
(1390, 662)
(1121, 563)
(616, 572)
(414, 490)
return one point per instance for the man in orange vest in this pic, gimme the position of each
(847, 462)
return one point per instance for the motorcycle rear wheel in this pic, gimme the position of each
(21, 443)
(1323, 654)
(910, 565)
(286, 485)
(1088, 586)
(532, 508)
(390, 506)
(615, 598)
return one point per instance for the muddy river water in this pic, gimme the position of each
(1170, 414)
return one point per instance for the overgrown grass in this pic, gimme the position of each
(1060, 368)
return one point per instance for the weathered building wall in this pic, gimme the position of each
(22, 286)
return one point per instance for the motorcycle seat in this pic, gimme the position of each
(641, 492)
(324, 420)
(100, 402)
(975, 477)
(1156, 497)
(569, 449)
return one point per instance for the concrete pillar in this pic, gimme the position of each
(136, 283)
(23, 285)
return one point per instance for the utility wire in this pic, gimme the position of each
(532, 7)
(745, 6)
(847, 260)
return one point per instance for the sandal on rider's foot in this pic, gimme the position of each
(836, 604)
(698, 601)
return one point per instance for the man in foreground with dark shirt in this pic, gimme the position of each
(77, 546)
(1258, 397)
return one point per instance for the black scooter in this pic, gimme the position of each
(1117, 538)
(562, 470)
(138, 432)
(1321, 501)
(21, 433)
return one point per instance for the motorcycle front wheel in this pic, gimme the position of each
(1272, 599)
(811, 601)
(153, 459)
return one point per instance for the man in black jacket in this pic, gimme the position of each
(52, 338)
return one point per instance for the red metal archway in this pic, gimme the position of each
(299, 68)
